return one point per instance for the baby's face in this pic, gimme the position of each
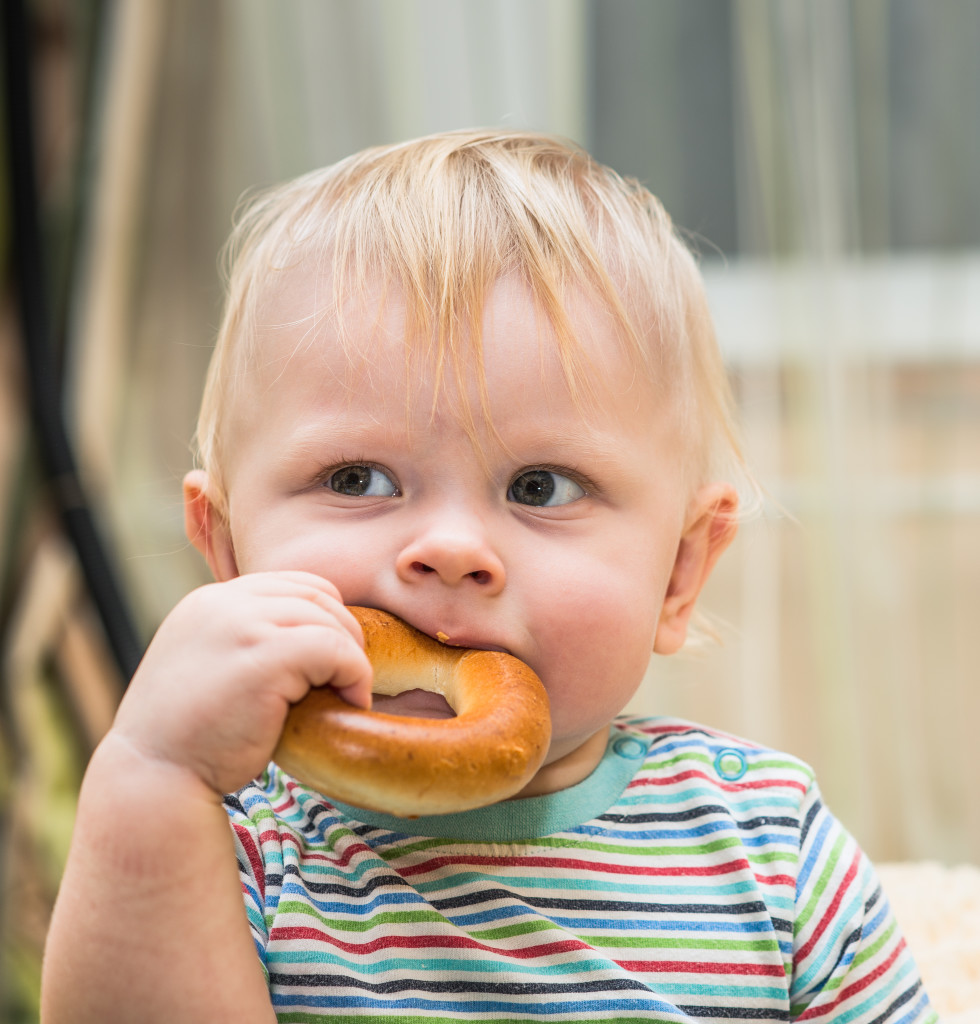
(554, 540)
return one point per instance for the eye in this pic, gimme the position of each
(543, 488)
(362, 481)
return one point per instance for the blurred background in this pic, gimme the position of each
(824, 157)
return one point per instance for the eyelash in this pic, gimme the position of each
(583, 481)
(323, 477)
(578, 477)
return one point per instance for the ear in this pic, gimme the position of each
(710, 528)
(206, 527)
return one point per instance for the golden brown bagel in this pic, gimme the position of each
(414, 766)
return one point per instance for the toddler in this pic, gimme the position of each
(470, 380)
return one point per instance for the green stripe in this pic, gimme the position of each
(865, 954)
(876, 946)
(735, 945)
(820, 887)
(783, 764)
(558, 843)
(510, 930)
(789, 856)
(360, 925)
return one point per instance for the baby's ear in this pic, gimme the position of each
(206, 527)
(710, 528)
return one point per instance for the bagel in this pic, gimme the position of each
(414, 766)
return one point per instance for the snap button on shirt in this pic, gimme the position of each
(730, 764)
(630, 747)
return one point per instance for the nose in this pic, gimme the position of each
(455, 550)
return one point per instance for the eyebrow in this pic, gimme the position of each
(595, 443)
(346, 437)
(338, 432)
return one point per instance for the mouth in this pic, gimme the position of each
(459, 639)
(470, 645)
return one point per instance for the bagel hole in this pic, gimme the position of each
(413, 704)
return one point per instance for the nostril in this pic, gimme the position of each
(478, 575)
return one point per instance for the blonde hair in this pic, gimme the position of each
(445, 217)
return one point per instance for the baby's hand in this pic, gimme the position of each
(214, 687)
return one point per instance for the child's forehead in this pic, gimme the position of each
(352, 375)
(357, 334)
(324, 346)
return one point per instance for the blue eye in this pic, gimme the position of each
(543, 488)
(361, 481)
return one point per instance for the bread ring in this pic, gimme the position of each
(414, 766)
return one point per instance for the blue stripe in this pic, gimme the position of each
(481, 964)
(785, 838)
(353, 908)
(913, 1014)
(877, 1000)
(814, 856)
(701, 791)
(625, 923)
(692, 924)
(845, 921)
(524, 1007)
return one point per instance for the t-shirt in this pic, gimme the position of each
(691, 877)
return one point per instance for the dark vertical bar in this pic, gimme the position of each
(28, 266)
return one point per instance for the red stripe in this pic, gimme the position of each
(831, 912)
(784, 880)
(311, 856)
(856, 987)
(695, 773)
(437, 863)
(253, 855)
(339, 860)
(274, 835)
(304, 932)
(549, 949)
(673, 730)
(701, 967)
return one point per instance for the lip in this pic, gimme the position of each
(472, 645)
(460, 638)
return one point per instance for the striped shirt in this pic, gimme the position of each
(691, 877)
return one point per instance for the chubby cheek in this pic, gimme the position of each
(272, 547)
(594, 658)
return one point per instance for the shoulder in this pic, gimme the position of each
(680, 745)
(704, 773)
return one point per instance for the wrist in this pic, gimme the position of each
(123, 763)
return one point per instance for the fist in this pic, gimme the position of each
(212, 692)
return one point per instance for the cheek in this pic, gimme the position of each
(270, 542)
(349, 557)
(609, 602)
(598, 626)
(599, 642)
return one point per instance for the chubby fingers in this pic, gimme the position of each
(318, 634)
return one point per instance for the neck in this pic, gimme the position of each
(568, 769)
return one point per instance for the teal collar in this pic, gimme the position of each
(528, 817)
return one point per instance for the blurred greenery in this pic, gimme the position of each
(37, 811)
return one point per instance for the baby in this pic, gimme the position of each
(470, 380)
